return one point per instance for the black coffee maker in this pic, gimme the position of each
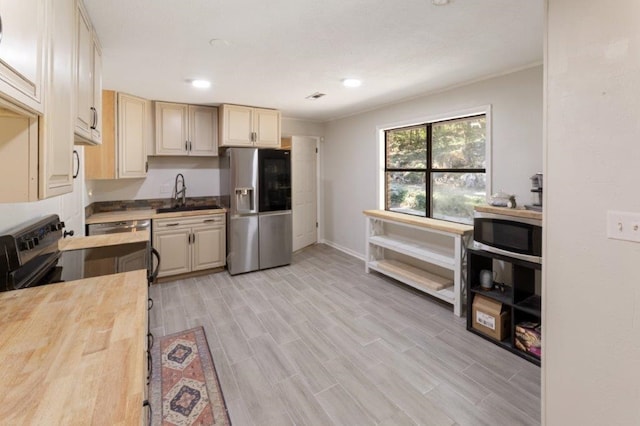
(536, 189)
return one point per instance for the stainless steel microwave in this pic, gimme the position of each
(517, 237)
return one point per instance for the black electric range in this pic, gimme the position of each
(29, 257)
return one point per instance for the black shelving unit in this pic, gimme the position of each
(521, 298)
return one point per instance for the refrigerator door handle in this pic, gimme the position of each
(275, 213)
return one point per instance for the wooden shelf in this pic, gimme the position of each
(393, 238)
(419, 249)
(445, 293)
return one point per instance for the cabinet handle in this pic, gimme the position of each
(0, 28)
(145, 403)
(76, 156)
(186, 145)
(211, 220)
(172, 224)
(194, 238)
(94, 119)
(146, 166)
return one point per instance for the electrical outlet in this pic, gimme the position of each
(623, 226)
(165, 188)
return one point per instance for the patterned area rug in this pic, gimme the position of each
(184, 384)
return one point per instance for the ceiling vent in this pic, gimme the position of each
(316, 95)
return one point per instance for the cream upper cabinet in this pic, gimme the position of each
(56, 129)
(22, 52)
(186, 129)
(203, 130)
(88, 80)
(190, 244)
(126, 134)
(134, 130)
(36, 151)
(247, 126)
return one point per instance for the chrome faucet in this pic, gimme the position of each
(180, 196)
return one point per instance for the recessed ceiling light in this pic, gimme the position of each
(439, 2)
(351, 82)
(201, 84)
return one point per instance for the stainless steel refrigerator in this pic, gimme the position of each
(259, 233)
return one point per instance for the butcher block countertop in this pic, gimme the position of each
(91, 241)
(425, 222)
(519, 212)
(122, 215)
(74, 352)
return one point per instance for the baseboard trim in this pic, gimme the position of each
(343, 249)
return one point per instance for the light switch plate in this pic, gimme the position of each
(623, 226)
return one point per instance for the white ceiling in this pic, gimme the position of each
(280, 51)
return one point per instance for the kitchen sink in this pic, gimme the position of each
(187, 208)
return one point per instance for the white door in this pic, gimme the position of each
(304, 190)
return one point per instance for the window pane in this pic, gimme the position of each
(407, 148)
(459, 144)
(455, 194)
(406, 192)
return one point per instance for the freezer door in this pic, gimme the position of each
(275, 239)
(243, 244)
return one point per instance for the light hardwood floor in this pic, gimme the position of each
(321, 342)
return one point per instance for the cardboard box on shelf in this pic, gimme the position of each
(490, 317)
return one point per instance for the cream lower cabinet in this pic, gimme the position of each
(189, 244)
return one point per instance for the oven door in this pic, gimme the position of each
(512, 236)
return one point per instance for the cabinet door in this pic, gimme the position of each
(84, 73)
(96, 129)
(171, 128)
(208, 247)
(56, 131)
(22, 51)
(132, 136)
(132, 262)
(266, 125)
(100, 160)
(203, 131)
(175, 251)
(236, 126)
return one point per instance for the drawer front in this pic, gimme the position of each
(181, 222)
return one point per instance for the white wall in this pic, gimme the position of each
(591, 300)
(350, 149)
(201, 174)
(297, 127)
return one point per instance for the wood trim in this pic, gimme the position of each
(100, 160)
(424, 222)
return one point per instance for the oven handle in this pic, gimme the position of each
(154, 274)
